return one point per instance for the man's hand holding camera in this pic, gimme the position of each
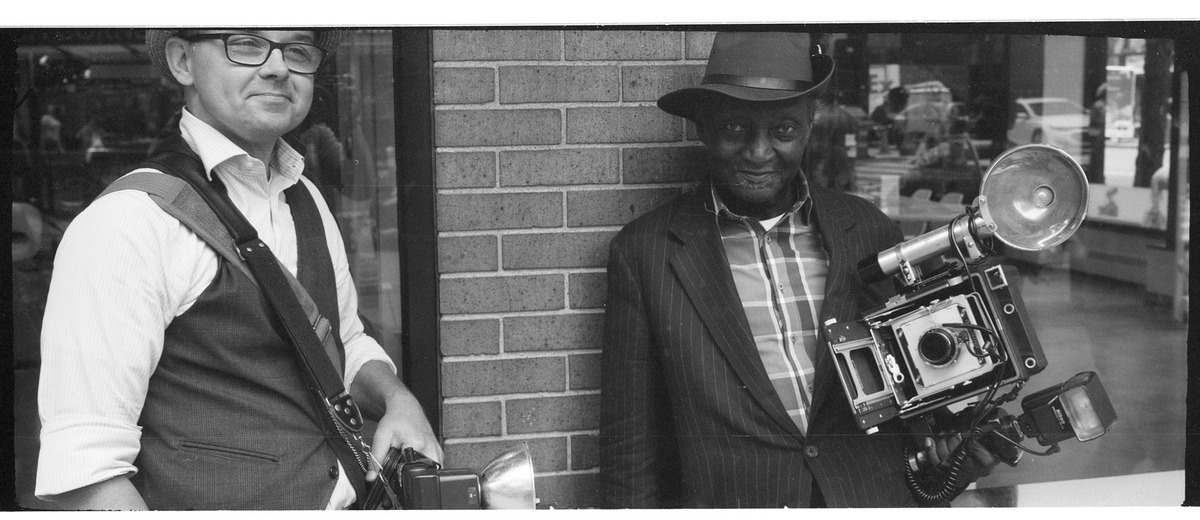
(398, 429)
(402, 423)
(979, 464)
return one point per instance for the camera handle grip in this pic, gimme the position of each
(894, 368)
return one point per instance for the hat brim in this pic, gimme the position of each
(683, 102)
(156, 42)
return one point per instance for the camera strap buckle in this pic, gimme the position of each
(345, 411)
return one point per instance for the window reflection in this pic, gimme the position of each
(348, 142)
(940, 108)
(92, 108)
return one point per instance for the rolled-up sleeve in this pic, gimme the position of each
(102, 335)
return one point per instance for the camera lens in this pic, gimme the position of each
(937, 347)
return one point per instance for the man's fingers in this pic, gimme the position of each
(430, 448)
(985, 460)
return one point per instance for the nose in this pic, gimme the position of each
(275, 66)
(758, 150)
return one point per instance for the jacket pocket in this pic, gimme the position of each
(228, 452)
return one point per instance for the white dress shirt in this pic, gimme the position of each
(124, 269)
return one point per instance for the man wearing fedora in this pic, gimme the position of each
(717, 386)
(166, 380)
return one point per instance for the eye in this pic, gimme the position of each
(244, 42)
(787, 131)
(301, 52)
(733, 127)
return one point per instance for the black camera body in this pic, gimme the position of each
(942, 341)
(417, 482)
(430, 487)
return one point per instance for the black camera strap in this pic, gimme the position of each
(311, 334)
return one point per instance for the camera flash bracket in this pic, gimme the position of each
(908, 271)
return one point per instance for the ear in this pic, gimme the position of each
(179, 60)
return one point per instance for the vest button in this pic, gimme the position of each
(811, 452)
(333, 472)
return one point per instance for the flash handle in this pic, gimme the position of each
(966, 231)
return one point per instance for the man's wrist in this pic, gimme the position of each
(399, 398)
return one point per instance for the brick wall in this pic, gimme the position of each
(548, 141)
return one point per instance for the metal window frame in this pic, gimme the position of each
(417, 192)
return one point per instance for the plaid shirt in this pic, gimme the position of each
(780, 277)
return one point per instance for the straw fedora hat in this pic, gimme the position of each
(156, 41)
(755, 66)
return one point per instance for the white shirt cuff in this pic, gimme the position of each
(78, 451)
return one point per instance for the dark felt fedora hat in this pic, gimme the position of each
(755, 66)
(156, 43)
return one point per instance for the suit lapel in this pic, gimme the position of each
(699, 264)
(835, 222)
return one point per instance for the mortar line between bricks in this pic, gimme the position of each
(496, 93)
(566, 222)
(548, 105)
(497, 64)
(562, 147)
(569, 450)
(522, 354)
(563, 231)
(520, 436)
(503, 417)
(514, 273)
(508, 190)
(567, 373)
(464, 399)
(562, 141)
(499, 340)
(538, 231)
(521, 314)
(567, 472)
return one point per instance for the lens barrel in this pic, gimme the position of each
(938, 347)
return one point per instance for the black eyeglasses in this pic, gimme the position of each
(248, 49)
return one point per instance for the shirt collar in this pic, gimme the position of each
(803, 203)
(215, 149)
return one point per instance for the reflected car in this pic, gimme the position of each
(1054, 121)
(950, 166)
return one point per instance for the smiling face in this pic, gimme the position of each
(252, 106)
(757, 147)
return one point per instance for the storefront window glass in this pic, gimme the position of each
(935, 110)
(91, 107)
(912, 122)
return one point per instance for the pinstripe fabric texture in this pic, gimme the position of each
(689, 417)
(780, 277)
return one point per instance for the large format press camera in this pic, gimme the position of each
(955, 344)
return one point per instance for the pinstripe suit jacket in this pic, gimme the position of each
(688, 415)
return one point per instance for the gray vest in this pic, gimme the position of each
(229, 420)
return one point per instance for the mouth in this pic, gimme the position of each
(754, 178)
(272, 96)
(757, 174)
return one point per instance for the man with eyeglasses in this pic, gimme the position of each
(166, 381)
